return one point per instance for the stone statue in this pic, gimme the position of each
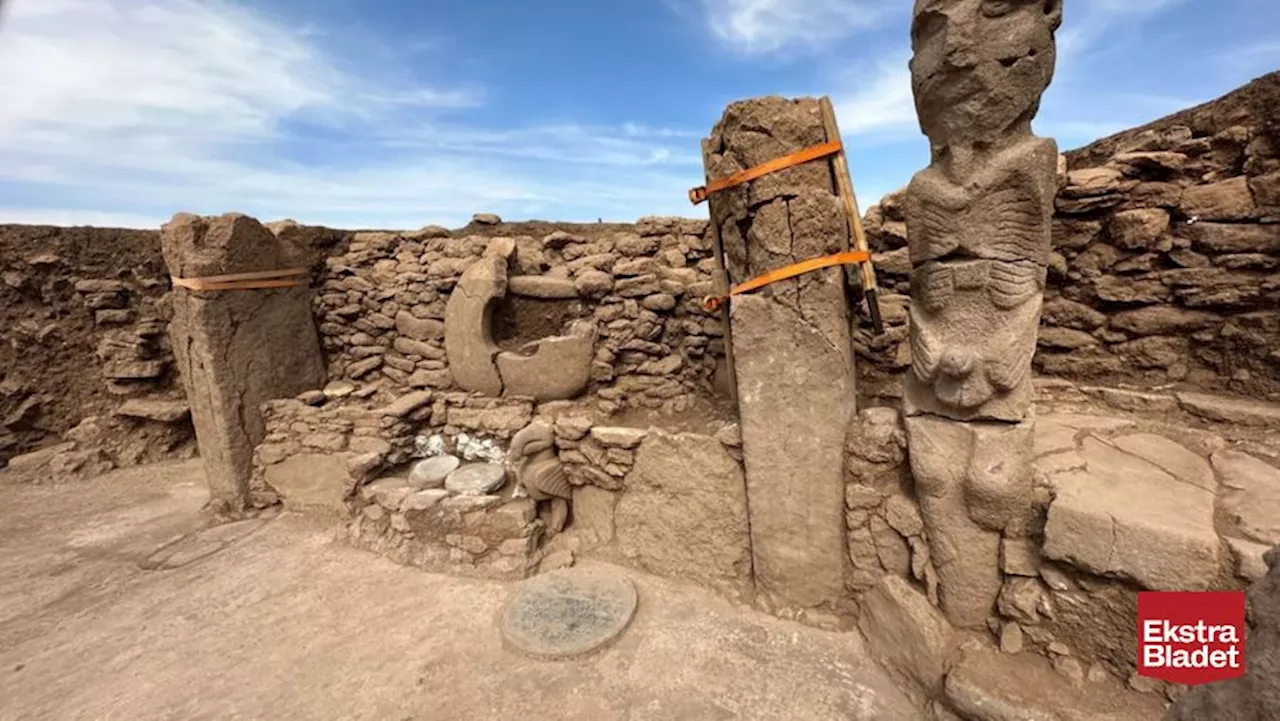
(540, 472)
(979, 230)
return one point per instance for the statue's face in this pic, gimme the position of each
(980, 65)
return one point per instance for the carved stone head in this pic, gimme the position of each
(980, 66)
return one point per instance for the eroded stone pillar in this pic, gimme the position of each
(236, 349)
(791, 347)
(978, 226)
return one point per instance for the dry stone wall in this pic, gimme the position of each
(383, 298)
(1166, 252)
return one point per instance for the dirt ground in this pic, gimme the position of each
(282, 622)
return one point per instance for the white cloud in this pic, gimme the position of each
(879, 102)
(767, 26)
(1098, 18)
(132, 109)
(70, 217)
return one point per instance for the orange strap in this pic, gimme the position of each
(711, 302)
(287, 278)
(701, 193)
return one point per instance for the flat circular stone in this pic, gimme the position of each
(568, 613)
(476, 479)
(432, 472)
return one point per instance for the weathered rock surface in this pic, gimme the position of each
(790, 341)
(468, 338)
(476, 479)
(907, 634)
(311, 482)
(236, 350)
(1124, 516)
(555, 368)
(1251, 496)
(989, 686)
(683, 513)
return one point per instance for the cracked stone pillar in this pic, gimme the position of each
(792, 350)
(978, 227)
(236, 349)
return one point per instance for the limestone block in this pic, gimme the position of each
(540, 286)
(311, 482)
(468, 338)
(684, 512)
(549, 369)
(1231, 410)
(236, 350)
(1224, 200)
(1124, 516)
(1251, 497)
(906, 633)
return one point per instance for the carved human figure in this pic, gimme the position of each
(540, 472)
(979, 233)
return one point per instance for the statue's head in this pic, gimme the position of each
(980, 66)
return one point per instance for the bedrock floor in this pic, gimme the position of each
(284, 623)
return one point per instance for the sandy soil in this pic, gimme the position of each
(275, 620)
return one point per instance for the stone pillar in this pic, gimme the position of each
(978, 227)
(236, 349)
(792, 350)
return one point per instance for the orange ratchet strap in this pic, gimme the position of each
(701, 193)
(712, 303)
(287, 278)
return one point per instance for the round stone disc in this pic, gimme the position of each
(476, 479)
(432, 472)
(569, 613)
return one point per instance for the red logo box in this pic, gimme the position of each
(1191, 638)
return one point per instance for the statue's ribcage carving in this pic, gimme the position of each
(1009, 285)
(1005, 224)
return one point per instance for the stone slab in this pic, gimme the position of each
(235, 351)
(1231, 410)
(476, 479)
(1123, 516)
(311, 482)
(432, 472)
(468, 338)
(569, 613)
(1251, 495)
(1173, 457)
(163, 411)
(683, 513)
(907, 633)
(796, 395)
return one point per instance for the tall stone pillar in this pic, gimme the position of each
(791, 347)
(978, 226)
(236, 348)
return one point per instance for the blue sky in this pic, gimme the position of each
(401, 113)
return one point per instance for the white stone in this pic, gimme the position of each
(432, 472)
(476, 479)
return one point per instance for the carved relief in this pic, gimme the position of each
(979, 232)
(539, 471)
(554, 368)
